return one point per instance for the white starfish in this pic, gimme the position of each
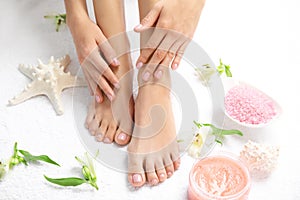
(48, 79)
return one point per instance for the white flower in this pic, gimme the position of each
(3, 170)
(204, 74)
(198, 141)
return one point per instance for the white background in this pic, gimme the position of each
(259, 39)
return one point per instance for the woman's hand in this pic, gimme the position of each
(175, 22)
(90, 45)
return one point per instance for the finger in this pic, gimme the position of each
(150, 19)
(109, 53)
(111, 77)
(106, 88)
(101, 66)
(149, 48)
(159, 55)
(98, 95)
(87, 78)
(179, 55)
(163, 65)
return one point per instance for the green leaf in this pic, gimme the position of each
(219, 131)
(227, 71)
(29, 157)
(197, 124)
(71, 181)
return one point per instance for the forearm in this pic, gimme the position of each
(76, 10)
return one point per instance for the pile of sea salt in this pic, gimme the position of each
(249, 105)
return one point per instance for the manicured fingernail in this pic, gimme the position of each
(117, 85)
(154, 181)
(139, 26)
(139, 65)
(106, 140)
(170, 174)
(146, 76)
(110, 97)
(137, 178)
(98, 99)
(175, 66)
(116, 61)
(122, 136)
(158, 74)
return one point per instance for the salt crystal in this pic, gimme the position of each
(249, 105)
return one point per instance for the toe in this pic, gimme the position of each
(161, 174)
(110, 134)
(176, 164)
(121, 138)
(102, 129)
(170, 170)
(137, 180)
(152, 178)
(90, 115)
(93, 126)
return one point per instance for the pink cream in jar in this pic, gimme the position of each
(219, 177)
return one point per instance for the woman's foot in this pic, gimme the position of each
(112, 121)
(153, 152)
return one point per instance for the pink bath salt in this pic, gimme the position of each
(249, 105)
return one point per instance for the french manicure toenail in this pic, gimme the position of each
(122, 136)
(146, 76)
(175, 66)
(154, 181)
(162, 175)
(139, 65)
(170, 174)
(137, 178)
(116, 61)
(106, 140)
(97, 99)
(158, 74)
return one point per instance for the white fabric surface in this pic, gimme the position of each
(259, 39)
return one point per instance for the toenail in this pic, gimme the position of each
(137, 178)
(122, 136)
(146, 76)
(106, 140)
(170, 174)
(154, 181)
(162, 176)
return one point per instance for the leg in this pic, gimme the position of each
(102, 121)
(153, 151)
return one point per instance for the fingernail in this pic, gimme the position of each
(117, 85)
(139, 26)
(170, 174)
(98, 99)
(106, 140)
(158, 74)
(154, 181)
(122, 136)
(116, 61)
(146, 76)
(110, 97)
(175, 66)
(139, 65)
(137, 178)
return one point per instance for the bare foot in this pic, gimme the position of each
(153, 152)
(112, 121)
